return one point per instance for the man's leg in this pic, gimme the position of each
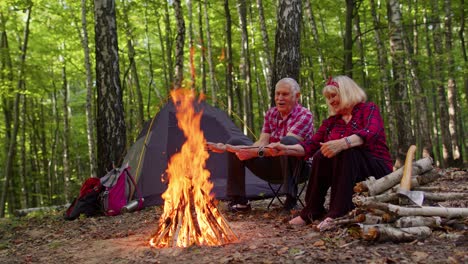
(235, 186)
(291, 168)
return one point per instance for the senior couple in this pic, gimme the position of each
(349, 146)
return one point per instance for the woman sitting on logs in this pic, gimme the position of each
(349, 146)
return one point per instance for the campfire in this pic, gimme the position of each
(190, 214)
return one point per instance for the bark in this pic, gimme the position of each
(89, 92)
(375, 187)
(111, 129)
(287, 57)
(244, 68)
(413, 211)
(180, 40)
(387, 233)
(413, 221)
(8, 169)
(400, 96)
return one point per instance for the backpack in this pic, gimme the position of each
(118, 189)
(87, 202)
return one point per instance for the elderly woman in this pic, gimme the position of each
(349, 146)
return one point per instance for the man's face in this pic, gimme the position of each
(285, 99)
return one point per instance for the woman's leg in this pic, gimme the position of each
(317, 188)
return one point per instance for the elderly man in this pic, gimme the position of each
(287, 122)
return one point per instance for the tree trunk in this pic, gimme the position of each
(266, 49)
(8, 169)
(442, 103)
(66, 133)
(348, 39)
(229, 64)
(135, 80)
(202, 50)
(193, 76)
(214, 84)
(111, 130)
(89, 92)
(287, 61)
(168, 38)
(399, 92)
(245, 82)
(180, 40)
(452, 92)
(315, 35)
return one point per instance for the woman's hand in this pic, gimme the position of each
(333, 147)
(276, 149)
(216, 147)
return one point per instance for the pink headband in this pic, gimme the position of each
(332, 82)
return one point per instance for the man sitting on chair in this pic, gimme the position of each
(287, 122)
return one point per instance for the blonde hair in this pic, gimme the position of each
(349, 91)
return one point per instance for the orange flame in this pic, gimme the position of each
(190, 216)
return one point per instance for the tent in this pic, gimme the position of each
(149, 156)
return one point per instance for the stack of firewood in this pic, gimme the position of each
(383, 214)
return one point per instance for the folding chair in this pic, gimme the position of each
(301, 175)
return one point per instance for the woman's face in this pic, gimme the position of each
(334, 100)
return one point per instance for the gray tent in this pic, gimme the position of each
(149, 156)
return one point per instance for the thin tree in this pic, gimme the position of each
(8, 169)
(348, 38)
(180, 39)
(244, 67)
(111, 130)
(229, 63)
(268, 65)
(214, 84)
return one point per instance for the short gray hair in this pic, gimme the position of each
(295, 88)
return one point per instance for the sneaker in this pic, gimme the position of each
(237, 207)
(290, 203)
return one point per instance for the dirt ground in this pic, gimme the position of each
(263, 237)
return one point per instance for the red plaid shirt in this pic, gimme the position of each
(366, 122)
(299, 122)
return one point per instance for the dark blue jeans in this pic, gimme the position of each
(277, 170)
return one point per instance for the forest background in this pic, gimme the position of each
(409, 56)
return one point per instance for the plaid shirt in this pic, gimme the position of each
(366, 122)
(299, 122)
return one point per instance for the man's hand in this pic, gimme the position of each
(216, 147)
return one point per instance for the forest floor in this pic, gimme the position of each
(263, 237)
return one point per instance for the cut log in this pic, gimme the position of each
(413, 221)
(423, 211)
(387, 233)
(375, 187)
(422, 179)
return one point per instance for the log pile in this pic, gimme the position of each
(382, 215)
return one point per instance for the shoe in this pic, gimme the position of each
(238, 207)
(290, 203)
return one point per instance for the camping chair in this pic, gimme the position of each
(301, 175)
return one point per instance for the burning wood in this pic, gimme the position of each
(190, 215)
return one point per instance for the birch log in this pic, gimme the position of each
(423, 211)
(413, 221)
(387, 233)
(375, 187)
